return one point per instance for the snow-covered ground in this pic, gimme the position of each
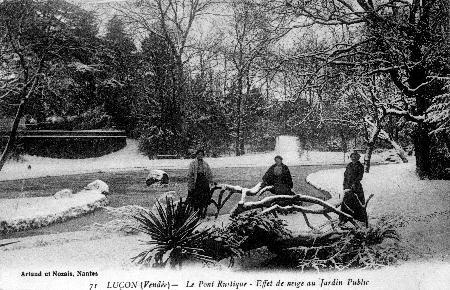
(397, 183)
(130, 158)
(421, 208)
(423, 205)
(24, 213)
(398, 192)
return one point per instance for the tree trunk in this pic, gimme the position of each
(15, 125)
(242, 143)
(370, 145)
(343, 144)
(239, 116)
(417, 77)
(12, 134)
(244, 125)
(400, 152)
(237, 144)
(368, 156)
(422, 151)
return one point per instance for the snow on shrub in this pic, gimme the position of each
(99, 185)
(38, 212)
(65, 193)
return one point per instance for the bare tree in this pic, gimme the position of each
(405, 40)
(378, 99)
(254, 28)
(23, 58)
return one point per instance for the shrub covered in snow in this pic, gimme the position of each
(65, 193)
(99, 185)
(26, 213)
(39, 212)
(157, 176)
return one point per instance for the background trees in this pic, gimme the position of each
(165, 27)
(121, 66)
(198, 88)
(254, 27)
(178, 75)
(41, 42)
(407, 41)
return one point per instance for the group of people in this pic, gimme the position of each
(279, 177)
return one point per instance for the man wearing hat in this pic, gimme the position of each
(353, 201)
(279, 176)
(199, 180)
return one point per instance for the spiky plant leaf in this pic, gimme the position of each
(173, 232)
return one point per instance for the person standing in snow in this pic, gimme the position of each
(279, 176)
(199, 180)
(354, 201)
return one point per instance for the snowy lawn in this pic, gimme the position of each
(420, 208)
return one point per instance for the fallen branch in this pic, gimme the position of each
(273, 204)
(233, 189)
(279, 203)
(272, 201)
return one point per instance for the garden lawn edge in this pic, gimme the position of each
(38, 212)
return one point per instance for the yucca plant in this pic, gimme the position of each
(174, 235)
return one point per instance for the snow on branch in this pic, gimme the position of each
(278, 202)
(405, 114)
(281, 203)
(81, 67)
(377, 131)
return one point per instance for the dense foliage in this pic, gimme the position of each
(234, 88)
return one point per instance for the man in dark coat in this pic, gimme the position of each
(353, 201)
(279, 176)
